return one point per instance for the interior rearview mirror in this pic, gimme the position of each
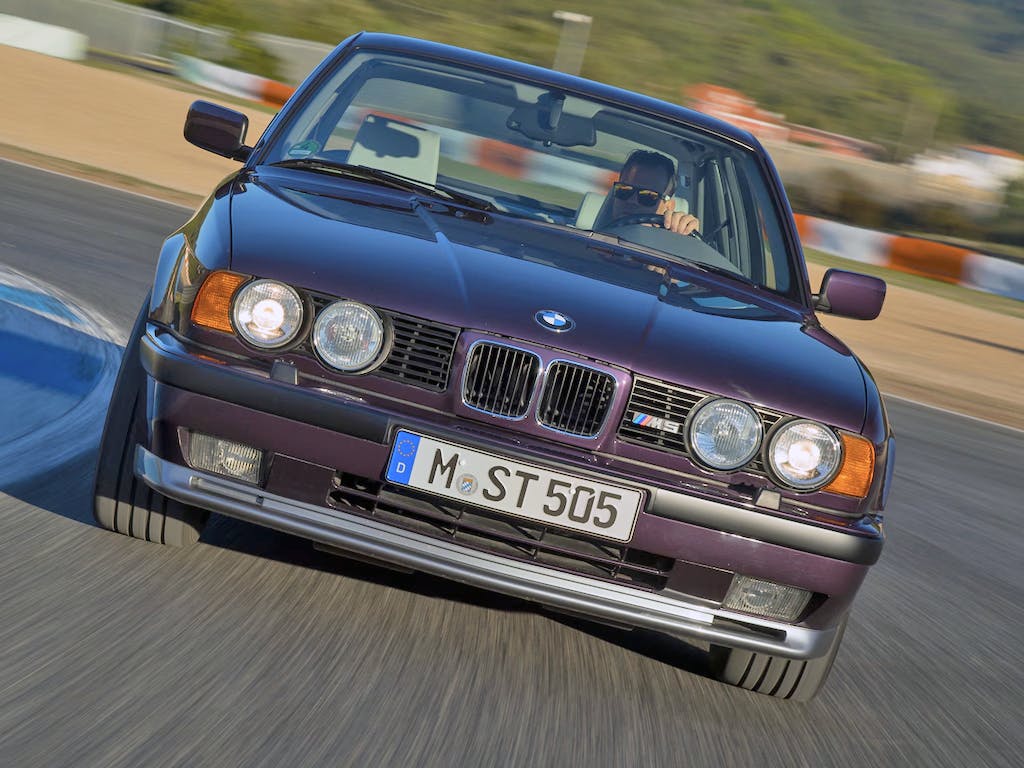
(546, 121)
(217, 129)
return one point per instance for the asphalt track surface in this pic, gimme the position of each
(251, 649)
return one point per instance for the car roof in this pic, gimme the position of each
(552, 78)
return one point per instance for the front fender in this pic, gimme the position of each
(201, 245)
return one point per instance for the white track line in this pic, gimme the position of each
(950, 411)
(99, 184)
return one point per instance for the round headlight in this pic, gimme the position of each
(804, 454)
(267, 313)
(348, 336)
(725, 434)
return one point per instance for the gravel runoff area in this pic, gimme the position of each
(126, 130)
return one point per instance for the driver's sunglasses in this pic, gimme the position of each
(648, 198)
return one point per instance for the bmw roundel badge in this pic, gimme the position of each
(554, 321)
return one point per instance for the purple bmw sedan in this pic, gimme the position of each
(460, 315)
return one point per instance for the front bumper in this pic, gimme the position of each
(557, 589)
(169, 362)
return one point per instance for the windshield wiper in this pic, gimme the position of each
(393, 180)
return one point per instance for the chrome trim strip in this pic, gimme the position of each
(557, 589)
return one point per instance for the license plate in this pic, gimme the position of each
(524, 490)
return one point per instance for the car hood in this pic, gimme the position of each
(493, 274)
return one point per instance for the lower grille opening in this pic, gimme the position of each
(491, 532)
(353, 490)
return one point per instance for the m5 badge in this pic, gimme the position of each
(653, 422)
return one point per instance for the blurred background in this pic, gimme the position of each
(902, 116)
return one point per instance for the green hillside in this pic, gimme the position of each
(899, 74)
(973, 48)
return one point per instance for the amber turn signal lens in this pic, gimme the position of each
(857, 469)
(213, 304)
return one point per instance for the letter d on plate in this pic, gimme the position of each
(402, 457)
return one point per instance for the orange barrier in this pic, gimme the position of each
(804, 224)
(501, 157)
(924, 257)
(905, 254)
(927, 258)
(275, 93)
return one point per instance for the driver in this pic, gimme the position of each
(645, 186)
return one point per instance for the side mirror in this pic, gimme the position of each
(217, 129)
(850, 294)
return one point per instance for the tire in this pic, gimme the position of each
(122, 502)
(782, 678)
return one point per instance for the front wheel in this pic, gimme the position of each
(794, 679)
(123, 502)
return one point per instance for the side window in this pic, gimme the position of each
(770, 256)
(738, 219)
(737, 227)
(713, 209)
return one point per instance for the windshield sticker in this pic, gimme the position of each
(304, 149)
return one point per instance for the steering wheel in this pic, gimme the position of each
(644, 218)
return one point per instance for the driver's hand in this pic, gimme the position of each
(677, 221)
(681, 223)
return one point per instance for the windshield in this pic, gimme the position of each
(527, 151)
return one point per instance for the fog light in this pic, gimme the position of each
(225, 457)
(766, 598)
